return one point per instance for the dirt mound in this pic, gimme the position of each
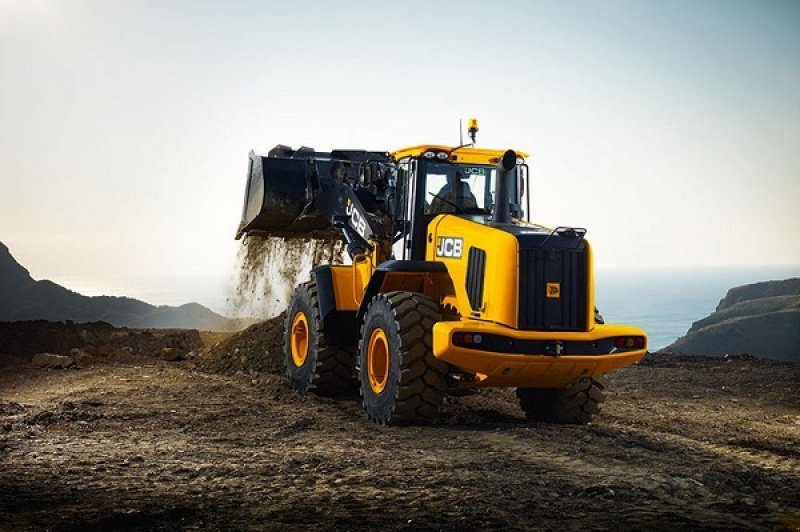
(259, 348)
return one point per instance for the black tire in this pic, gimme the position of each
(326, 368)
(577, 404)
(413, 380)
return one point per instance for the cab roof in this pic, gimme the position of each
(462, 154)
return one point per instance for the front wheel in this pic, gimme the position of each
(401, 381)
(578, 403)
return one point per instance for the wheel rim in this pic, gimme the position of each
(299, 339)
(378, 361)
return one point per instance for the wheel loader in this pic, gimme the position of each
(451, 287)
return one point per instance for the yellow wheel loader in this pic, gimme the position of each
(451, 286)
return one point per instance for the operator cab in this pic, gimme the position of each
(434, 180)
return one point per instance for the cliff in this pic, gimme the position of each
(23, 298)
(761, 319)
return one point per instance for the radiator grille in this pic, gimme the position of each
(476, 271)
(567, 268)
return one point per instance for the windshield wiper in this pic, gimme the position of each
(462, 210)
(459, 210)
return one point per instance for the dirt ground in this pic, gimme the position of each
(132, 442)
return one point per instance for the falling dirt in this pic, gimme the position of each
(220, 442)
(269, 268)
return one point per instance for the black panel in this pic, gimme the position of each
(341, 328)
(476, 272)
(504, 344)
(411, 266)
(419, 221)
(563, 265)
(325, 293)
(340, 325)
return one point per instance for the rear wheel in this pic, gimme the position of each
(310, 360)
(401, 381)
(578, 403)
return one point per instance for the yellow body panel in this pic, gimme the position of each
(531, 370)
(462, 154)
(501, 288)
(344, 289)
(504, 278)
(502, 249)
(362, 272)
(590, 306)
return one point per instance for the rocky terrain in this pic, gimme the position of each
(125, 440)
(761, 319)
(23, 298)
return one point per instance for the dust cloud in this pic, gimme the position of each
(269, 268)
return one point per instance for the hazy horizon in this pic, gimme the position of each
(670, 130)
(665, 302)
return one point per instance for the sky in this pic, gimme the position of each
(671, 130)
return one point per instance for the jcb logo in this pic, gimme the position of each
(356, 219)
(474, 170)
(554, 290)
(449, 247)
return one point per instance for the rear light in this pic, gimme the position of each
(629, 342)
(467, 339)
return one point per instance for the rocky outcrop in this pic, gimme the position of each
(51, 361)
(23, 298)
(761, 319)
(760, 291)
(59, 344)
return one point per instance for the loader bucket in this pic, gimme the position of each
(279, 199)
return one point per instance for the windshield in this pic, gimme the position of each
(462, 187)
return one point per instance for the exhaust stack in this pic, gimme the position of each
(502, 206)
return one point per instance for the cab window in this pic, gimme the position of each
(461, 187)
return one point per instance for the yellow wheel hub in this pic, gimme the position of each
(378, 361)
(299, 339)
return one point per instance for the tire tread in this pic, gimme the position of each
(333, 370)
(578, 403)
(422, 375)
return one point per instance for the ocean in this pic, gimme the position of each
(666, 302)
(663, 302)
